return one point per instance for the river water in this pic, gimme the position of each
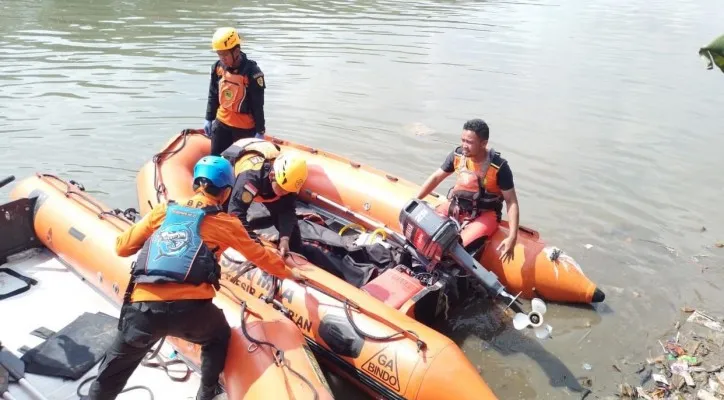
(608, 118)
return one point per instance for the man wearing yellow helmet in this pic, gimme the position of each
(266, 175)
(235, 107)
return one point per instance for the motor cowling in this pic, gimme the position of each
(431, 234)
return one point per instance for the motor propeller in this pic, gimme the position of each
(534, 319)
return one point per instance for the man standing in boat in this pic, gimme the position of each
(235, 108)
(174, 277)
(265, 175)
(484, 181)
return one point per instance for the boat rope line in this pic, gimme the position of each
(349, 306)
(160, 363)
(165, 154)
(125, 216)
(277, 353)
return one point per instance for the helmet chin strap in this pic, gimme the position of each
(236, 57)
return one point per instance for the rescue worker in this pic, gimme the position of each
(174, 277)
(235, 107)
(265, 175)
(484, 181)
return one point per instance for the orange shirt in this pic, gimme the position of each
(219, 230)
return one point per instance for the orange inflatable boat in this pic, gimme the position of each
(385, 352)
(82, 232)
(371, 332)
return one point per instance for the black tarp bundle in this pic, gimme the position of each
(326, 249)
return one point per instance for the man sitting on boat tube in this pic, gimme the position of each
(484, 181)
(264, 174)
(235, 107)
(174, 278)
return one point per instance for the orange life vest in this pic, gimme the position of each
(250, 154)
(476, 187)
(233, 110)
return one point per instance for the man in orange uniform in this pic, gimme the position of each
(484, 181)
(174, 278)
(235, 108)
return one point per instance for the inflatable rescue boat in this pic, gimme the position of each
(268, 357)
(375, 331)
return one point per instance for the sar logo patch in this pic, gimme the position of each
(173, 240)
(247, 197)
(227, 94)
(260, 81)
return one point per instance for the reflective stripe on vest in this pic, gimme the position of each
(175, 252)
(232, 97)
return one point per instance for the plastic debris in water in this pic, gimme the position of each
(660, 379)
(587, 366)
(702, 319)
(588, 246)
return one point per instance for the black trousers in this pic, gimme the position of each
(145, 323)
(223, 136)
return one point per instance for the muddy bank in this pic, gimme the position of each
(688, 363)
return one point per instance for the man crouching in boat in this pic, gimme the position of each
(484, 181)
(265, 175)
(174, 278)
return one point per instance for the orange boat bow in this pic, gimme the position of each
(82, 232)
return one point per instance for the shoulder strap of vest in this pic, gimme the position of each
(246, 150)
(211, 210)
(496, 161)
(487, 163)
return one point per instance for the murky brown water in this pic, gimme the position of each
(610, 122)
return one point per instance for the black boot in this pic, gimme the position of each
(208, 392)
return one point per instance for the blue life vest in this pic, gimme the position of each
(175, 252)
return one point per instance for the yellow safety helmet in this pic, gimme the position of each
(290, 172)
(225, 39)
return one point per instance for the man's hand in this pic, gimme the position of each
(507, 248)
(284, 246)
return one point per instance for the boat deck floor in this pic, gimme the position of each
(59, 298)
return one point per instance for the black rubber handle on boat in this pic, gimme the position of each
(7, 180)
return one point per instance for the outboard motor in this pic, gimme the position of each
(433, 236)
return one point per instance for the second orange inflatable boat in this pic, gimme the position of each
(82, 232)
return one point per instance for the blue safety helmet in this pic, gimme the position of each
(216, 169)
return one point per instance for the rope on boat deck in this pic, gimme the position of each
(277, 352)
(146, 362)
